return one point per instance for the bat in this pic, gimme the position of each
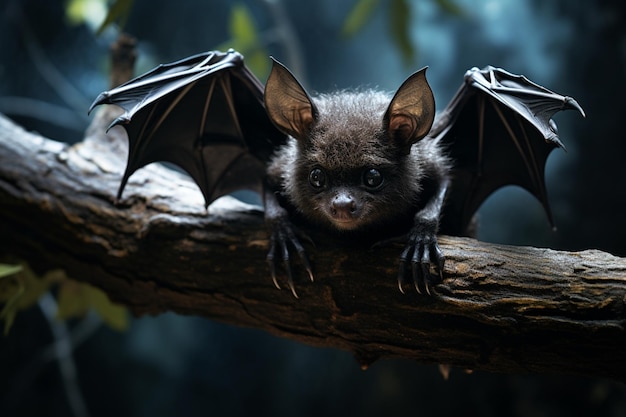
(357, 164)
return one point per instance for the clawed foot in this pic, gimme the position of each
(282, 237)
(418, 259)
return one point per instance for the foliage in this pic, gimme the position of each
(21, 288)
(9, 294)
(244, 37)
(89, 12)
(98, 14)
(358, 17)
(76, 299)
(398, 21)
(118, 13)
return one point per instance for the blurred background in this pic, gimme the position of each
(54, 62)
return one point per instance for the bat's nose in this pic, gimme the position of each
(343, 206)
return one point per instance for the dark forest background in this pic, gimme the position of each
(52, 66)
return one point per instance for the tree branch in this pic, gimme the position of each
(500, 308)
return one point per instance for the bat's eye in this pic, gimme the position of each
(372, 178)
(317, 178)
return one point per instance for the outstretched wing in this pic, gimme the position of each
(205, 114)
(498, 130)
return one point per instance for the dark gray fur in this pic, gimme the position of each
(347, 137)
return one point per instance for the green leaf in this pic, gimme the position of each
(258, 62)
(75, 299)
(242, 27)
(10, 309)
(118, 13)
(358, 17)
(19, 291)
(399, 25)
(21, 288)
(450, 6)
(245, 39)
(91, 12)
(8, 270)
(114, 315)
(72, 302)
(36, 286)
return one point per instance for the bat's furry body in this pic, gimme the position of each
(348, 138)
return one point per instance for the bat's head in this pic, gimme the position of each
(350, 165)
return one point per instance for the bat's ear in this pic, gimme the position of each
(411, 112)
(287, 103)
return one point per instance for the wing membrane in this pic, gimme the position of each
(204, 114)
(499, 131)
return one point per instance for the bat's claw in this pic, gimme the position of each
(570, 103)
(272, 265)
(290, 276)
(423, 255)
(282, 238)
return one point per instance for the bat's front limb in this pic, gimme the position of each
(282, 237)
(422, 251)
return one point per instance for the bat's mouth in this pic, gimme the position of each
(346, 223)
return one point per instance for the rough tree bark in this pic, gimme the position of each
(500, 308)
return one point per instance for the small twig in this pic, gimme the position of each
(41, 110)
(65, 341)
(123, 57)
(63, 353)
(284, 33)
